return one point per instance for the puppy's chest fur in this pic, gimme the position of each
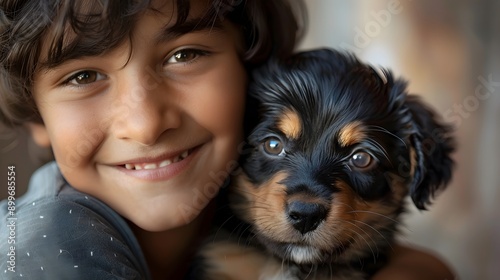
(335, 150)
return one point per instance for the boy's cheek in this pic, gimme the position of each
(223, 107)
(73, 148)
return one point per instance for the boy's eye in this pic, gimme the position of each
(185, 55)
(85, 77)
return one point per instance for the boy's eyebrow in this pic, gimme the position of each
(188, 26)
(166, 34)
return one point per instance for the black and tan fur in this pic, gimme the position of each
(338, 147)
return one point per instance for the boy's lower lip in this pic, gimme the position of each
(162, 173)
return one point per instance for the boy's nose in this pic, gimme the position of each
(146, 113)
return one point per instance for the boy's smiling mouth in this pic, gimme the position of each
(159, 168)
(157, 164)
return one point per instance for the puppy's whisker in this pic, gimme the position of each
(331, 271)
(364, 239)
(348, 205)
(259, 199)
(310, 272)
(348, 167)
(380, 147)
(221, 227)
(261, 204)
(384, 130)
(241, 235)
(282, 264)
(377, 231)
(393, 220)
(250, 239)
(342, 246)
(377, 214)
(258, 205)
(366, 233)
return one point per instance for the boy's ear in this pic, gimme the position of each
(39, 134)
(432, 146)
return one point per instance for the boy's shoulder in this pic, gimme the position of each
(51, 200)
(57, 232)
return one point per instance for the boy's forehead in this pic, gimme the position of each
(198, 18)
(178, 18)
(170, 9)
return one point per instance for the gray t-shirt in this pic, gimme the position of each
(61, 233)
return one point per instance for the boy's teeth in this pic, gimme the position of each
(184, 155)
(165, 163)
(149, 166)
(177, 159)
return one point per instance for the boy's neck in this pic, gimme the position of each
(168, 253)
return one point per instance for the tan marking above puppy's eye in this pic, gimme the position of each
(290, 124)
(352, 133)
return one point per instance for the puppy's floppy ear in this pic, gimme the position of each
(432, 146)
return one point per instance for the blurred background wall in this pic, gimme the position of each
(449, 50)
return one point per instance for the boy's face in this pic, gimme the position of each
(151, 128)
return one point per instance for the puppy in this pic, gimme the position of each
(337, 148)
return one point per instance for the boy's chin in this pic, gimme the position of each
(179, 216)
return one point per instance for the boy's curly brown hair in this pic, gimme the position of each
(91, 27)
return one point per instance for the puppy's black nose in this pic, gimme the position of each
(304, 216)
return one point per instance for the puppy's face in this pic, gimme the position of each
(337, 148)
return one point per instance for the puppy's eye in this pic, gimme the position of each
(362, 160)
(274, 147)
